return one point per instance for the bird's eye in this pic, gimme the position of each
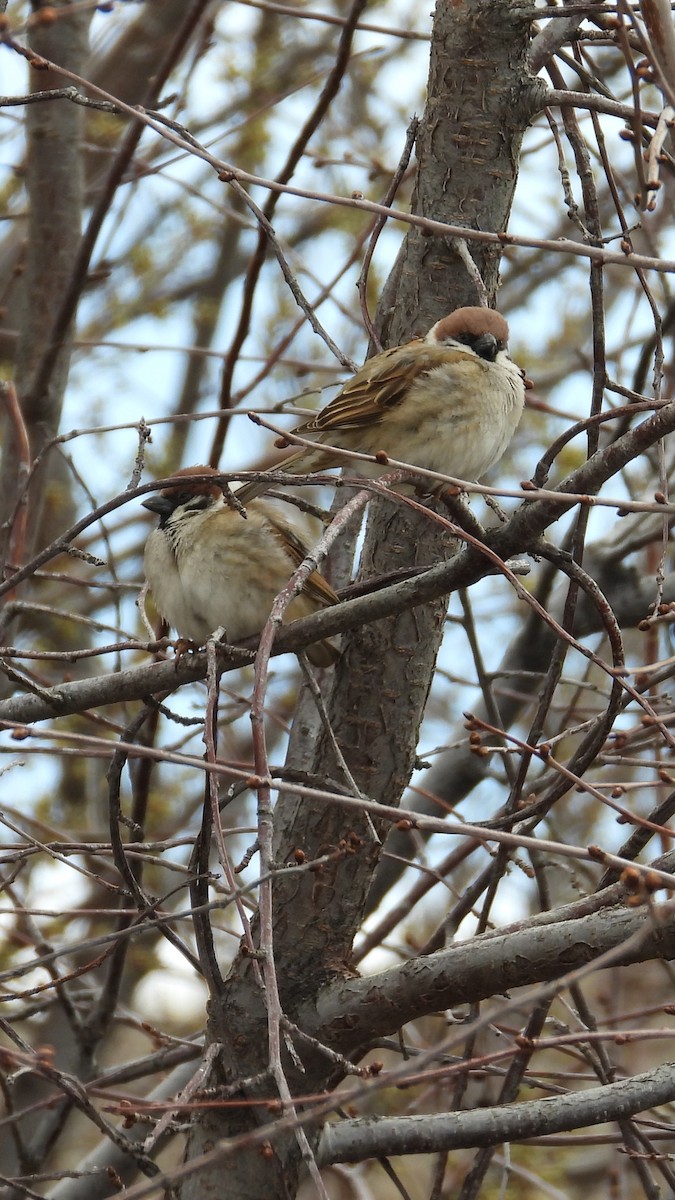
(192, 502)
(485, 345)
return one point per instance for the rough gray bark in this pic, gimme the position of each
(481, 97)
(350, 1011)
(490, 1127)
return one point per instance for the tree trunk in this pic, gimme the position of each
(480, 101)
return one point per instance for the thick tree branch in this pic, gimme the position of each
(376, 1137)
(354, 1011)
(520, 533)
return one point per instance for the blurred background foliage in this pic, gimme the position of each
(156, 324)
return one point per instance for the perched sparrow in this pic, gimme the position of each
(448, 402)
(208, 566)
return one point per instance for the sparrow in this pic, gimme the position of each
(208, 566)
(447, 402)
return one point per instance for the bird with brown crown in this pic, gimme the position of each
(448, 402)
(209, 567)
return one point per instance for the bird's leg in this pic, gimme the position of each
(182, 646)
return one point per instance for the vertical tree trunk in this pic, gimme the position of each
(54, 187)
(480, 101)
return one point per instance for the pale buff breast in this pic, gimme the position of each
(221, 570)
(462, 418)
(164, 581)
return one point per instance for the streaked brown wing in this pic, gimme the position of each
(366, 396)
(380, 385)
(316, 587)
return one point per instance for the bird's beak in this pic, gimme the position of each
(159, 504)
(486, 346)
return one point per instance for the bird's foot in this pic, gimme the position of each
(183, 646)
